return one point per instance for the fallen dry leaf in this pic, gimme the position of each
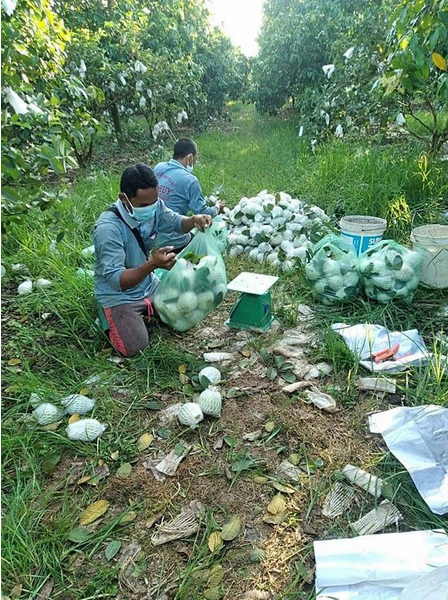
(16, 591)
(275, 519)
(231, 529)
(216, 576)
(153, 519)
(277, 505)
(93, 512)
(84, 479)
(13, 362)
(215, 541)
(46, 590)
(218, 444)
(51, 426)
(259, 479)
(144, 441)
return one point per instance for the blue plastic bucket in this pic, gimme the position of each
(362, 231)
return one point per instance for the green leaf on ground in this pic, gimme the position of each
(111, 549)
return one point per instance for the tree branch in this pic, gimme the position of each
(410, 111)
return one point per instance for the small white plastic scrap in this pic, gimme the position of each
(217, 356)
(85, 430)
(43, 283)
(89, 251)
(364, 480)
(328, 70)
(400, 120)
(139, 67)
(301, 131)
(25, 288)
(77, 403)
(320, 400)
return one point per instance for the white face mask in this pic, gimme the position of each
(189, 168)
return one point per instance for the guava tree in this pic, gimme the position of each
(43, 107)
(417, 68)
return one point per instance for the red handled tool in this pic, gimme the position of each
(386, 354)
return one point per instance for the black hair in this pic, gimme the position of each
(137, 177)
(183, 147)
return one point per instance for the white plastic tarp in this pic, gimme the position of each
(365, 339)
(418, 437)
(377, 567)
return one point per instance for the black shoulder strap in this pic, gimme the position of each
(134, 230)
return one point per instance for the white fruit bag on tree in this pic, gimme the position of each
(332, 272)
(390, 271)
(195, 285)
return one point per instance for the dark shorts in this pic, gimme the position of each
(128, 331)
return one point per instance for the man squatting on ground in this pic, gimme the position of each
(123, 237)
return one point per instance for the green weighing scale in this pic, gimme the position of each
(253, 309)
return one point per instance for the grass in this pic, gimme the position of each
(51, 345)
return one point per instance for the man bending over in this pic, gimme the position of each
(180, 189)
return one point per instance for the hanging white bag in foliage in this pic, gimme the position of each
(349, 53)
(77, 404)
(85, 430)
(339, 131)
(47, 413)
(210, 401)
(20, 107)
(190, 414)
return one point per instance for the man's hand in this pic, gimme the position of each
(202, 222)
(220, 206)
(163, 258)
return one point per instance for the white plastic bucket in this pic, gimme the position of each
(432, 242)
(362, 231)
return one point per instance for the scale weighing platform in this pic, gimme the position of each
(253, 309)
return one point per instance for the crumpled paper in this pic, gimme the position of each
(365, 339)
(377, 567)
(418, 437)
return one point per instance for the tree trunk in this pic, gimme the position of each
(116, 120)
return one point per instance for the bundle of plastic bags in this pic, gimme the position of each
(390, 271)
(332, 272)
(196, 284)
